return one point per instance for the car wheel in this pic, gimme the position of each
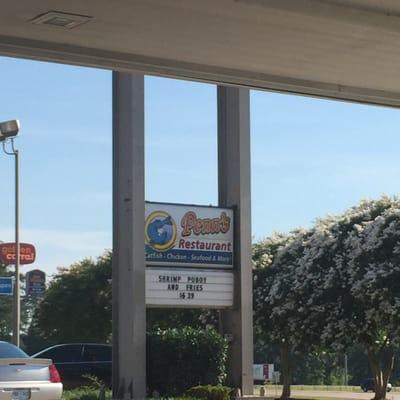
(364, 389)
(388, 389)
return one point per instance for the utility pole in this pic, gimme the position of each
(17, 294)
(17, 291)
(8, 130)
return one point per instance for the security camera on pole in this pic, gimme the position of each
(8, 131)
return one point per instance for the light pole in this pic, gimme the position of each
(8, 131)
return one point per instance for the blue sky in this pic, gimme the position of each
(310, 157)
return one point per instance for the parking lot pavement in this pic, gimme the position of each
(312, 394)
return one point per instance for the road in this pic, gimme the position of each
(312, 394)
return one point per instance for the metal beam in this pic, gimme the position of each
(234, 191)
(128, 277)
(75, 55)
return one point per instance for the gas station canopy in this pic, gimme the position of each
(345, 49)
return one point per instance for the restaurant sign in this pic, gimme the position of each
(27, 253)
(188, 236)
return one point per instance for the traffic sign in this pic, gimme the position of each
(6, 285)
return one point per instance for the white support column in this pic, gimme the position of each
(128, 277)
(234, 191)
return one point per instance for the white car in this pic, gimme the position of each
(26, 378)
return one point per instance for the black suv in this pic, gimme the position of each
(368, 384)
(75, 360)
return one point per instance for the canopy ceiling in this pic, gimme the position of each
(347, 49)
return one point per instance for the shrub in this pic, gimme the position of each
(178, 359)
(94, 390)
(209, 392)
(85, 393)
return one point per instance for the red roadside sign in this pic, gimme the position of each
(27, 253)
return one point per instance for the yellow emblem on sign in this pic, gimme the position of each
(160, 231)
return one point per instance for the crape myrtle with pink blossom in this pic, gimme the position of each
(333, 286)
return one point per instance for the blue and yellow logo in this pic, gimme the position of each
(160, 231)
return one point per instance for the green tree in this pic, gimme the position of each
(166, 318)
(310, 369)
(333, 286)
(77, 304)
(186, 357)
(357, 364)
(280, 313)
(6, 307)
(352, 264)
(374, 265)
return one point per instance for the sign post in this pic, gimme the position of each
(187, 254)
(128, 277)
(234, 191)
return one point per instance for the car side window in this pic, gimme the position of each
(97, 353)
(62, 354)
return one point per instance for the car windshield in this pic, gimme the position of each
(8, 350)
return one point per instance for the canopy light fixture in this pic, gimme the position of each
(60, 19)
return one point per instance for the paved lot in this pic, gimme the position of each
(310, 394)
